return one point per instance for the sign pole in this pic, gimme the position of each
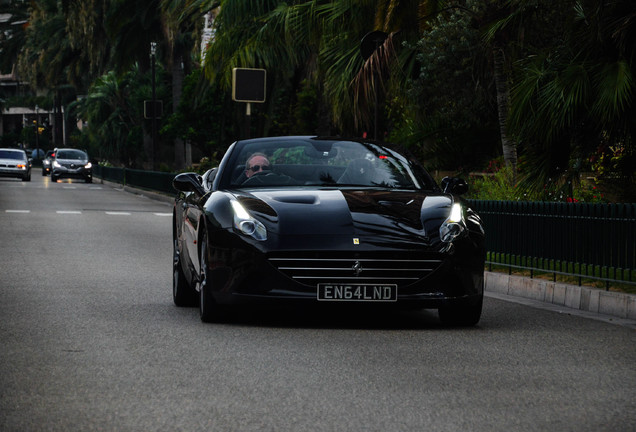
(248, 85)
(248, 119)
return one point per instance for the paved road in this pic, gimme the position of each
(90, 340)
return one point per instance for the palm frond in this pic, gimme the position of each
(615, 90)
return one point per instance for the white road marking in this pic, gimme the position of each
(77, 212)
(69, 187)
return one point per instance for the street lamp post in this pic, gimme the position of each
(153, 52)
(37, 131)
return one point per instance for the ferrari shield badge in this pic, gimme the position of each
(356, 241)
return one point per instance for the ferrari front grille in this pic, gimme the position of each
(396, 268)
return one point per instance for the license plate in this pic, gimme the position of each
(357, 292)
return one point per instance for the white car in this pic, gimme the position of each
(15, 163)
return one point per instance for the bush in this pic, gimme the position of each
(500, 185)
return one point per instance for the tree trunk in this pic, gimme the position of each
(503, 106)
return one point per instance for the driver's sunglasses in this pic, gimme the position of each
(257, 168)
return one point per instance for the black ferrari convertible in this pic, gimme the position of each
(325, 220)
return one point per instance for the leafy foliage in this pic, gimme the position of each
(201, 118)
(113, 109)
(438, 81)
(579, 95)
(500, 186)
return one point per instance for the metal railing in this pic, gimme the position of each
(586, 241)
(150, 180)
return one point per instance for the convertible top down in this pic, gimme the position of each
(312, 220)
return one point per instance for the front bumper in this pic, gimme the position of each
(240, 273)
(78, 173)
(14, 172)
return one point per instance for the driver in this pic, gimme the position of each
(256, 163)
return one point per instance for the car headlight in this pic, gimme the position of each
(454, 225)
(88, 165)
(21, 166)
(246, 224)
(56, 164)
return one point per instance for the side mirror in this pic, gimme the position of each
(454, 185)
(189, 182)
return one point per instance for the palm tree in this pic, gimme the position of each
(12, 35)
(47, 58)
(506, 23)
(580, 96)
(86, 32)
(320, 40)
(114, 120)
(180, 18)
(131, 25)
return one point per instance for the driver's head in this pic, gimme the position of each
(256, 163)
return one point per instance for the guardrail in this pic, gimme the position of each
(586, 241)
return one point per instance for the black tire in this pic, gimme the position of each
(183, 294)
(464, 314)
(43, 173)
(27, 178)
(209, 309)
(89, 180)
(53, 178)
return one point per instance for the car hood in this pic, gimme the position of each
(73, 161)
(378, 216)
(12, 161)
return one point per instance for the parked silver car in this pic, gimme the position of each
(15, 163)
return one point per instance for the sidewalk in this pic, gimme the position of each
(587, 299)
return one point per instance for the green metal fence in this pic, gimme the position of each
(591, 241)
(150, 180)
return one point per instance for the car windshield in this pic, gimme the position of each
(71, 154)
(321, 162)
(10, 154)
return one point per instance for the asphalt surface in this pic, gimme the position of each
(90, 340)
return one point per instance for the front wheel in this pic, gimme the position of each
(209, 309)
(462, 314)
(182, 293)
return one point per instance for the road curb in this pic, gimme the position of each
(621, 305)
